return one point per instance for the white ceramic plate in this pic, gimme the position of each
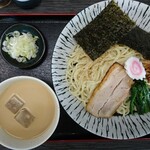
(117, 127)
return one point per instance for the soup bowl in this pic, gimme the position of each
(36, 103)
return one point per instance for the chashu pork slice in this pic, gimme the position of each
(110, 93)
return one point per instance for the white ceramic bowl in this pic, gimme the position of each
(15, 143)
(116, 127)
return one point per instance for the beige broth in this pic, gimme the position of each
(37, 99)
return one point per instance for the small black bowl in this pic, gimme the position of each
(24, 28)
(27, 4)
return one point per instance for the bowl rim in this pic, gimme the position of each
(29, 26)
(43, 137)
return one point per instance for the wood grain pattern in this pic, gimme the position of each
(55, 25)
(95, 145)
(52, 7)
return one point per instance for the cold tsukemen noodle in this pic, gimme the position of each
(83, 74)
(107, 74)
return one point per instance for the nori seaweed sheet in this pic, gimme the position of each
(104, 31)
(139, 40)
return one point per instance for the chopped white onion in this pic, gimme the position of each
(20, 46)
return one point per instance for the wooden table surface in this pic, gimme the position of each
(52, 7)
(59, 12)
